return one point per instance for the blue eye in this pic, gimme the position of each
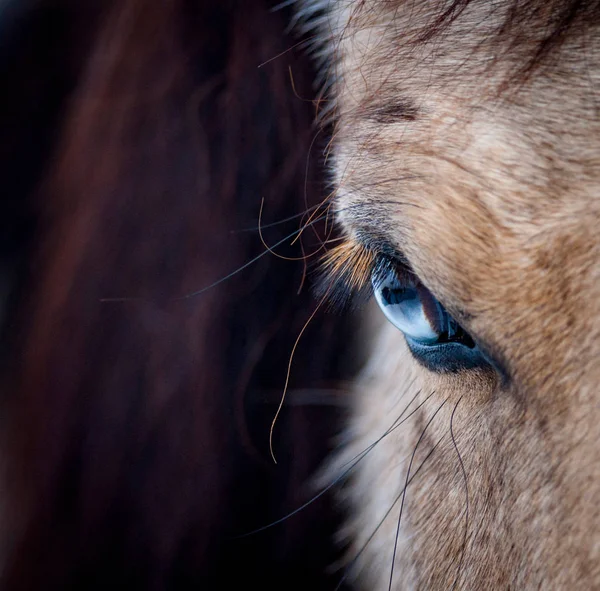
(435, 339)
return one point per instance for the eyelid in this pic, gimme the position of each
(382, 247)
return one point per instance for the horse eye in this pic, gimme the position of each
(435, 339)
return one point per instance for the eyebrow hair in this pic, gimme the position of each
(399, 111)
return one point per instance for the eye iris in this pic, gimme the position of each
(403, 306)
(411, 307)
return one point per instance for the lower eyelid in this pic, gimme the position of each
(446, 358)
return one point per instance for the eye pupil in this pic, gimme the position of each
(396, 295)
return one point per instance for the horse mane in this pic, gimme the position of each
(138, 138)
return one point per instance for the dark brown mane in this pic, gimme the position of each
(136, 136)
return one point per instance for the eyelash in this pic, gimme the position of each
(345, 274)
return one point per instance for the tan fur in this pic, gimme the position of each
(491, 189)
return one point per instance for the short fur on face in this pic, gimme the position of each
(467, 136)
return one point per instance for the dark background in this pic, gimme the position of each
(137, 137)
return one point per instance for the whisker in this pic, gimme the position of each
(287, 376)
(279, 223)
(304, 257)
(405, 487)
(332, 194)
(303, 42)
(316, 207)
(233, 273)
(354, 462)
(219, 281)
(466, 482)
(294, 90)
(387, 513)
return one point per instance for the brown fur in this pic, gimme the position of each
(467, 134)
